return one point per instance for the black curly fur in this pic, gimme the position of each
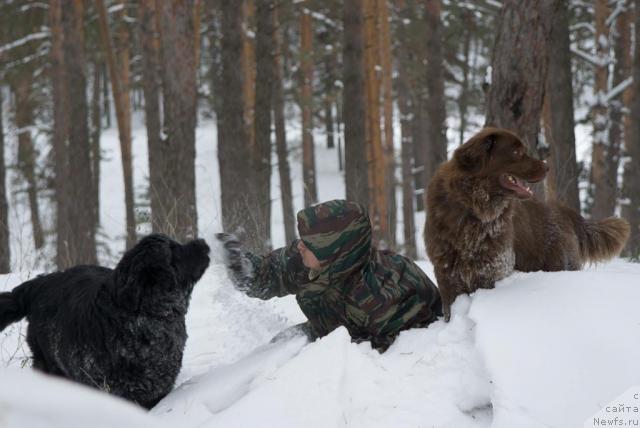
(121, 330)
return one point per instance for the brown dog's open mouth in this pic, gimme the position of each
(515, 184)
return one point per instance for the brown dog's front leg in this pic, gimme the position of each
(448, 293)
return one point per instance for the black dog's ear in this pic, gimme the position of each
(473, 154)
(145, 267)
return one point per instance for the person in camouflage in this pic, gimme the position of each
(338, 277)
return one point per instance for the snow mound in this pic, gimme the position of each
(30, 399)
(539, 350)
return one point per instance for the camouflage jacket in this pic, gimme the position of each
(374, 294)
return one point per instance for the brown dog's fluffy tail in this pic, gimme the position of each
(603, 239)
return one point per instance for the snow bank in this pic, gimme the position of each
(559, 346)
(540, 350)
(30, 399)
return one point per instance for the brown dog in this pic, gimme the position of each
(482, 224)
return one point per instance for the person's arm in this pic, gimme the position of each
(276, 274)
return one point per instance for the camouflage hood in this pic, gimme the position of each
(338, 233)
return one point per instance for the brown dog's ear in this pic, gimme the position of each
(473, 154)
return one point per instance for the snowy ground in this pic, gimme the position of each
(540, 350)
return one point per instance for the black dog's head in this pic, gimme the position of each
(158, 272)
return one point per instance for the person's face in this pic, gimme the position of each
(308, 258)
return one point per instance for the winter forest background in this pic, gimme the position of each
(385, 90)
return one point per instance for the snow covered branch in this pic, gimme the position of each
(620, 87)
(23, 41)
(593, 59)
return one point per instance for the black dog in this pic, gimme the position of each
(121, 330)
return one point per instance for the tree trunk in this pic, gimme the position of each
(24, 120)
(328, 120)
(409, 228)
(81, 246)
(387, 103)
(281, 138)
(106, 107)
(469, 28)
(249, 71)
(96, 128)
(5, 249)
(519, 69)
(160, 193)
(559, 123)
(378, 204)
(62, 181)
(306, 105)
(233, 141)
(435, 106)
(632, 176)
(119, 73)
(621, 71)
(602, 191)
(262, 119)
(356, 178)
(180, 92)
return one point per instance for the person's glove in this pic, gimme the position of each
(238, 265)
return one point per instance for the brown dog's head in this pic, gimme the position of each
(499, 155)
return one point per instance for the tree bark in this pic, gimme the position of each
(233, 141)
(409, 228)
(563, 175)
(378, 204)
(632, 177)
(306, 105)
(119, 73)
(180, 92)
(387, 103)
(62, 181)
(24, 120)
(435, 106)
(262, 119)
(519, 69)
(601, 190)
(356, 178)
(160, 193)
(249, 71)
(5, 249)
(281, 137)
(81, 245)
(96, 129)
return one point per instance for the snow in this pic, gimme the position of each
(30, 399)
(540, 350)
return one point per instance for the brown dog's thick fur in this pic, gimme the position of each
(482, 223)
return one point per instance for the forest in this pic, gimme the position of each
(391, 87)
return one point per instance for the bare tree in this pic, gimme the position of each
(119, 73)
(435, 106)
(177, 29)
(78, 244)
(5, 249)
(602, 191)
(261, 156)
(632, 175)
(281, 137)
(353, 112)
(233, 141)
(160, 193)
(24, 120)
(559, 122)
(306, 105)
(519, 68)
